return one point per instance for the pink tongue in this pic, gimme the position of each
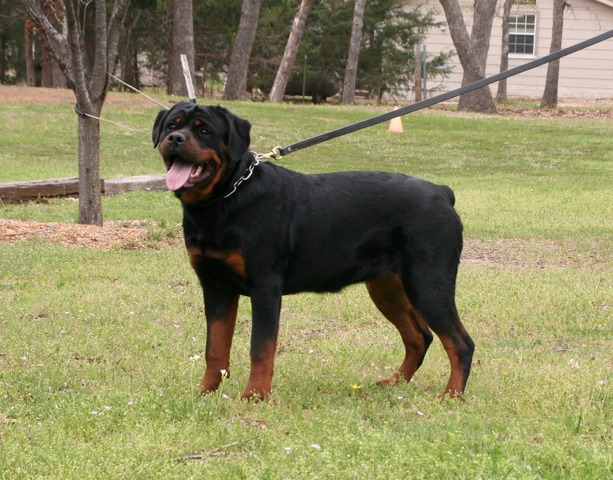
(178, 174)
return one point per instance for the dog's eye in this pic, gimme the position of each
(171, 126)
(204, 131)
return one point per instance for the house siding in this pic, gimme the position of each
(587, 74)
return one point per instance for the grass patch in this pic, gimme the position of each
(101, 361)
(101, 352)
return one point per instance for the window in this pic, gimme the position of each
(521, 34)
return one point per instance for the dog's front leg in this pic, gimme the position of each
(220, 309)
(266, 307)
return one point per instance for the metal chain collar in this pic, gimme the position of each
(246, 176)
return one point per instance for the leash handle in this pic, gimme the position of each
(294, 147)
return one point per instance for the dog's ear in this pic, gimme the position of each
(158, 127)
(239, 134)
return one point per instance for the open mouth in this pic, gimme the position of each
(186, 175)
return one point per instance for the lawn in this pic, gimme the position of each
(101, 351)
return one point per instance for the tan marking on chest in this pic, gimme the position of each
(233, 259)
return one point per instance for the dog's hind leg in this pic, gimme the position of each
(433, 297)
(389, 296)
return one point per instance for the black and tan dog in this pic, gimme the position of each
(260, 230)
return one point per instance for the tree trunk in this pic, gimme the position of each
(2, 57)
(472, 51)
(29, 54)
(291, 50)
(417, 75)
(90, 194)
(182, 43)
(46, 77)
(550, 95)
(351, 68)
(236, 83)
(129, 55)
(501, 93)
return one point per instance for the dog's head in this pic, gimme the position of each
(200, 145)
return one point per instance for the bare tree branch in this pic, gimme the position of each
(75, 41)
(58, 41)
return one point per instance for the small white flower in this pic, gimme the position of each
(420, 413)
(107, 407)
(224, 373)
(288, 449)
(95, 412)
(194, 358)
(316, 446)
(601, 382)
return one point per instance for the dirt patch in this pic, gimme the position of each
(113, 235)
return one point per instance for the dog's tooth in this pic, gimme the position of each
(198, 171)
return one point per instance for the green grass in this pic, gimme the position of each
(101, 353)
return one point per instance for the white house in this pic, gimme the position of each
(587, 74)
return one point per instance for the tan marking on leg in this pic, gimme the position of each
(389, 296)
(455, 385)
(218, 345)
(259, 386)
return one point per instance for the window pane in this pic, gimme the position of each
(521, 34)
(522, 44)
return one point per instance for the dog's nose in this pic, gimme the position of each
(176, 138)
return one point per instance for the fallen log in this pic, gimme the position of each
(69, 187)
(133, 184)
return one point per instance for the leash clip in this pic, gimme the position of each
(275, 154)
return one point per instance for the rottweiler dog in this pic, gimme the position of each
(261, 230)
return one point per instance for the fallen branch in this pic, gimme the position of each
(215, 452)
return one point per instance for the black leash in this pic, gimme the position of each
(279, 152)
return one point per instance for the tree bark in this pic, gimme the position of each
(351, 68)
(236, 82)
(501, 93)
(291, 50)
(550, 94)
(472, 50)
(182, 43)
